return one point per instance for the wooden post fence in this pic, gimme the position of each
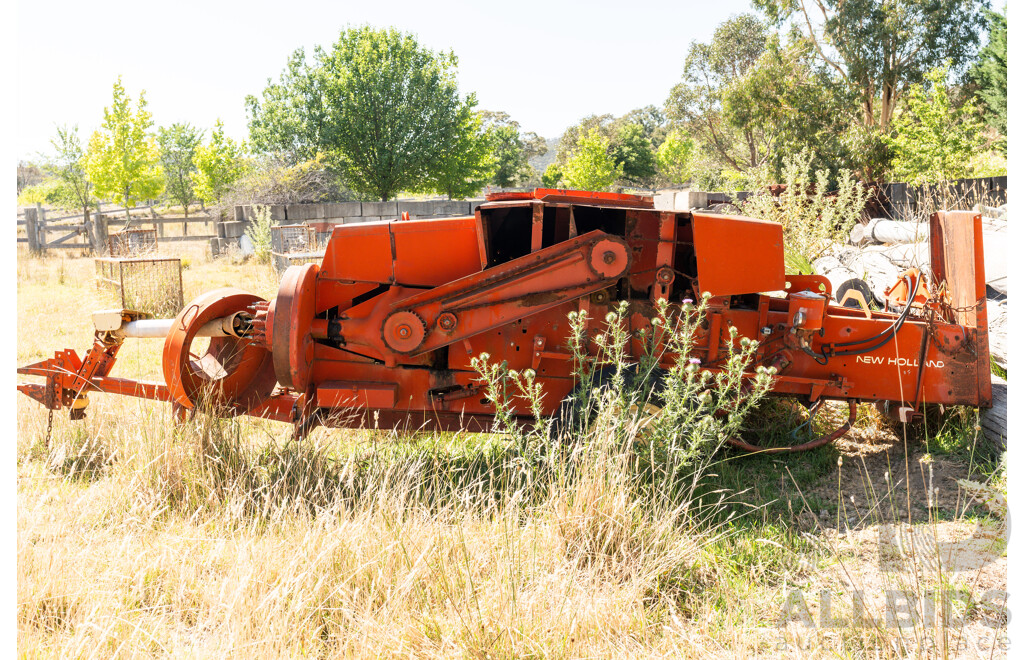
(32, 231)
(41, 228)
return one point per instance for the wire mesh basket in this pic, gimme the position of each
(285, 239)
(294, 244)
(150, 285)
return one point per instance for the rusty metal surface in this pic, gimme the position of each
(385, 330)
(233, 374)
(292, 321)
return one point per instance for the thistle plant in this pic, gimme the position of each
(660, 415)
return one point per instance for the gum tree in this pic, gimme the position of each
(711, 70)
(68, 166)
(879, 48)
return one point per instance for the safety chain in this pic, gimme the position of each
(49, 429)
(968, 308)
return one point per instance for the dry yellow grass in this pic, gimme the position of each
(137, 538)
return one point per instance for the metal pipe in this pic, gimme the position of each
(811, 444)
(235, 325)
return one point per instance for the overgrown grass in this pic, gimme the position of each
(224, 538)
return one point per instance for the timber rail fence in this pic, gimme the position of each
(75, 232)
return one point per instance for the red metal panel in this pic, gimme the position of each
(359, 253)
(738, 255)
(342, 394)
(433, 252)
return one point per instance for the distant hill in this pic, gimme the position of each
(540, 163)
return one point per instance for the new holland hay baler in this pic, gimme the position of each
(382, 332)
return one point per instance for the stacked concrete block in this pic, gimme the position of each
(416, 209)
(380, 209)
(451, 208)
(296, 213)
(343, 210)
(231, 229)
(247, 213)
(325, 217)
(219, 246)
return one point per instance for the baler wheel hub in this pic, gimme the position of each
(234, 373)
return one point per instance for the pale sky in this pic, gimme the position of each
(547, 64)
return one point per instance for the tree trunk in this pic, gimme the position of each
(887, 105)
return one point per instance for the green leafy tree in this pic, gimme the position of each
(508, 148)
(512, 149)
(67, 166)
(990, 73)
(790, 99)
(219, 163)
(934, 141)
(651, 119)
(178, 145)
(591, 167)
(51, 192)
(570, 140)
(631, 138)
(675, 157)
(634, 153)
(552, 177)
(697, 104)
(511, 166)
(124, 162)
(879, 48)
(382, 107)
(290, 120)
(468, 164)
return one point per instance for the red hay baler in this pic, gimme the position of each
(383, 331)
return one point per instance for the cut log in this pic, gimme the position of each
(907, 255)
(993, 420)
(861, 234)
(895, 231)
(880, 230)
